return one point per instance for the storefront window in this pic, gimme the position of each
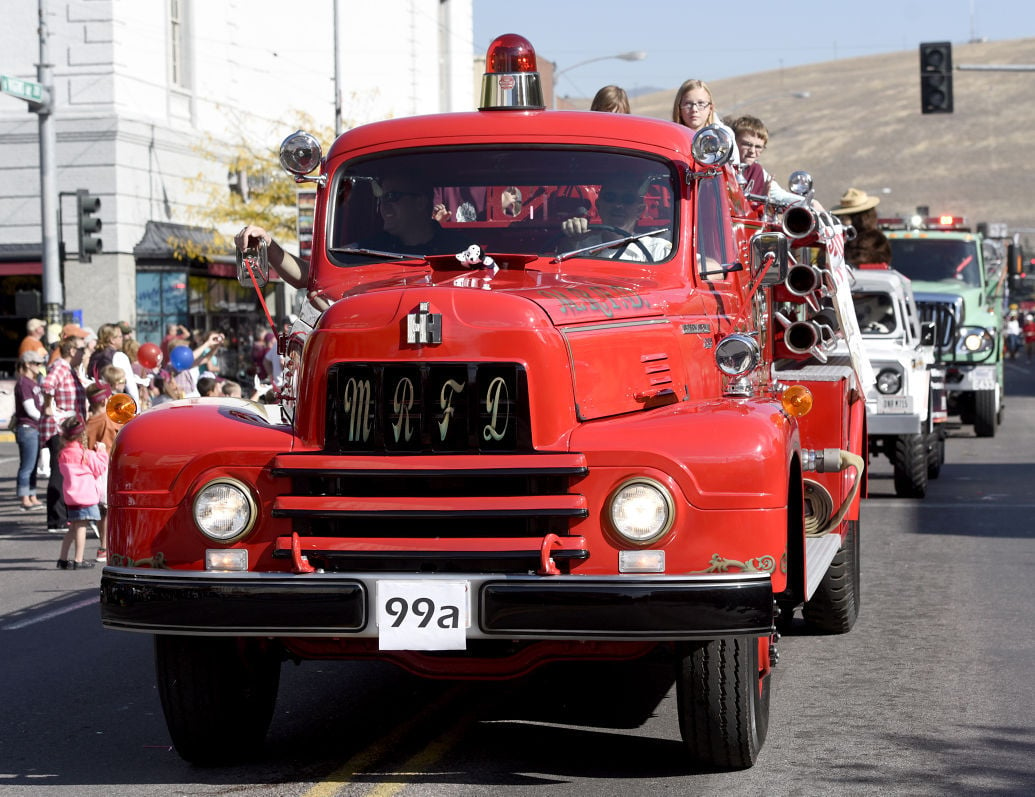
(161, 300)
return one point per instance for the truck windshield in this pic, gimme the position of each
(937, 260)
(875, 313)
(513, 201)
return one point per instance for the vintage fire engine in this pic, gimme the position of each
(568, 421)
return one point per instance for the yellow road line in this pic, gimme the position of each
(419, 763)
(374, 752)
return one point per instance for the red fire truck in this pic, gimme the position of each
(570, 419)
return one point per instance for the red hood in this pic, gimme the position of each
(566, 299)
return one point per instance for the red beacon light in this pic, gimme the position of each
(511, 80)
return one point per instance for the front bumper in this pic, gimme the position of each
(963, 378)
(893, 424)
(513, 607)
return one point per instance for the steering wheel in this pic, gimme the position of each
(602, 228)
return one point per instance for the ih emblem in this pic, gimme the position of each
(424, 326)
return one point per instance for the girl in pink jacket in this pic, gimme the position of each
(80, 468)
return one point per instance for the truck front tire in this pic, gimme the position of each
(986, 413)
(722, 696)
(910, 461)
(217, 694)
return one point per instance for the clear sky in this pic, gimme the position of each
(712, 40)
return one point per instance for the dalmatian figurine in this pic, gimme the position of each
(473, 257)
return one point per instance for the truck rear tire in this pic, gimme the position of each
(910, 461)
(217, 694)
(722, 695)
(935, 453)
(986, 413)
(834, 606)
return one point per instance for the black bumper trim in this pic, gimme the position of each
(276, 606)
(632, 608)
(529, 607)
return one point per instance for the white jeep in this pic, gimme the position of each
(905, 408)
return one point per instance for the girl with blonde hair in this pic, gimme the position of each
(694, 107)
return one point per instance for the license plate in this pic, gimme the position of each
(894, 404)
(983, 379)
(423, 615)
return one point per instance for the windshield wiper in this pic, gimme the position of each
(349, 250)
(588, 250)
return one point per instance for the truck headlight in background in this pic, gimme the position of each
(889, 381)
(641, 510)
(974, 340)
(224, 510)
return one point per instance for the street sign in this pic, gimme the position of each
(23, 89)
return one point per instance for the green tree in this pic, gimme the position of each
(260, 192)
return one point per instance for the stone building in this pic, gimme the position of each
(139, 85)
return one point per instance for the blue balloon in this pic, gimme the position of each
(181, 358)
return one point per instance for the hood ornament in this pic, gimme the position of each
(424, 326)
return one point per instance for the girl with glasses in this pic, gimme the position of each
(694, 107)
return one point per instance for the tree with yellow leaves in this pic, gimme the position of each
(260, 192)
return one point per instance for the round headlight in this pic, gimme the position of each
(889, 381)
(975, 339)
(224, 510)
(737, 354)
(799, 183)
(641, 510)
(300, 153)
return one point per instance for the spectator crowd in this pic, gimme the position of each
(63, 432)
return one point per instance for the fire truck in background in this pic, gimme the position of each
(500, 445)
(959, 281)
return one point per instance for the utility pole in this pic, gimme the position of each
(40, 97)
(337, 76)
(53, 290)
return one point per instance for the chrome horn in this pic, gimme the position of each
(803, 279)
(798, 221)
(807, 337)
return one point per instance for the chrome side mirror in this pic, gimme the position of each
(253, 266)
(769, 256)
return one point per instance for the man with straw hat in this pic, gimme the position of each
(859, 210)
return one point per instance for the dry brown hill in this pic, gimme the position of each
(861, 126)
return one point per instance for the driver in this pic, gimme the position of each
(619, 204)
(405, 205)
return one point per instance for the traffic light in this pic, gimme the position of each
(936, 77)
(88, 224)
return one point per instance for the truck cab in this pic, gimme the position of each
(961, 289)
(905, 405)
(520, 427)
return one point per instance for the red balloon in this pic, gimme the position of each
(149, 355)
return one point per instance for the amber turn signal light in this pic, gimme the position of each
(121, 408)
(797, 400)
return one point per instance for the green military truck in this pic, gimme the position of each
(959, 281)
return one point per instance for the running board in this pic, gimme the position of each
(819, 552)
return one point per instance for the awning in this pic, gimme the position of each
(20, 268)
(160, 238)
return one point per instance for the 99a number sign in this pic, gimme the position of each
(423, 615)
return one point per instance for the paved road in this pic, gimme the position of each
(930, 694)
